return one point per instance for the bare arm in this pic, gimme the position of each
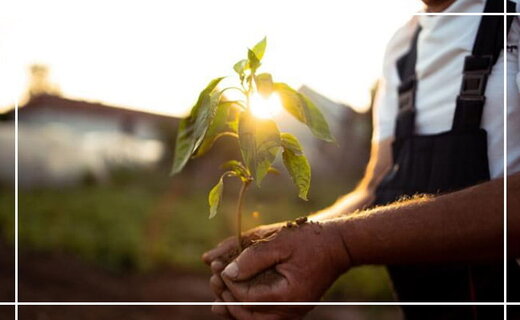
(461, 226)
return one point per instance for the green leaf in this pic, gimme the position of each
(238, 168)
(259, 144)
(304, 110)
(232, 120)
(233, 125)
(296, 164)
(264, 84)
(241, 66)
(193, 128)
(183, 145)
(291, 142)
(204, 95)
(254, 62)
(217, 128)
(259, 48)
(215, 197)
(205, 115)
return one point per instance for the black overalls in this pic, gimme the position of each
(441, 163)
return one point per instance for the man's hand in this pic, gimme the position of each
(216, 258)
(295, 264)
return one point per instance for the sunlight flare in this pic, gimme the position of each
(265, 108)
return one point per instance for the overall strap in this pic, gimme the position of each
(406, 69)
(511, 6)
(477, 67)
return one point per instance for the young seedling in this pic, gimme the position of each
(260, 141)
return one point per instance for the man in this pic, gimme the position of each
(438, 131)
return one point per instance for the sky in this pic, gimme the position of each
(157, 55)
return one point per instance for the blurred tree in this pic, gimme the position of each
(39, 82)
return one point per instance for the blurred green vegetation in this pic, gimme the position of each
(147, 220)
(7, 214)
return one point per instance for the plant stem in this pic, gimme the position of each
(245, 183)
(241, 196)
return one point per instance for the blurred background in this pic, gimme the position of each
(191, 312)
(204, 312)
(7, 312)
(102, 220)
(7, 200)
(102, 87)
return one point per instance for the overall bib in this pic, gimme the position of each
(441, 163)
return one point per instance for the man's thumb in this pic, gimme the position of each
(251, 262)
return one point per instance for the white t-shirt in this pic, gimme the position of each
(443, 44)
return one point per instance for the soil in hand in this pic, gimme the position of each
(269, 276)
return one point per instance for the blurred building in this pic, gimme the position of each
(63, 142)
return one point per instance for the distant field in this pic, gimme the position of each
(7, 214)
(143, 222)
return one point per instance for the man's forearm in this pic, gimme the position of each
(461, 226)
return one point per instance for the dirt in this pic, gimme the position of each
(59, 277)
(231, 255)
(188, 313)
(115, 312)
(270, 275)
(6, 312)
(63, 277)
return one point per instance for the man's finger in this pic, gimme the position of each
(221, 310)
(222, 248)
(238, 312)
(243, 312)
(217, 266)
(217, 285)
(273, 287)
(253, 261)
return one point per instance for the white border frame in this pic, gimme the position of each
(505, 303)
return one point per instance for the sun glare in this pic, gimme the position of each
(265, 108)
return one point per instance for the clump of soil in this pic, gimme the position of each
(267, 277)
(296, 223)
(232, 254)
(270, 275)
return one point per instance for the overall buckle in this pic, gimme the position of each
(407, 94)
(472, 96)
(474, 78)
(473, 85)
